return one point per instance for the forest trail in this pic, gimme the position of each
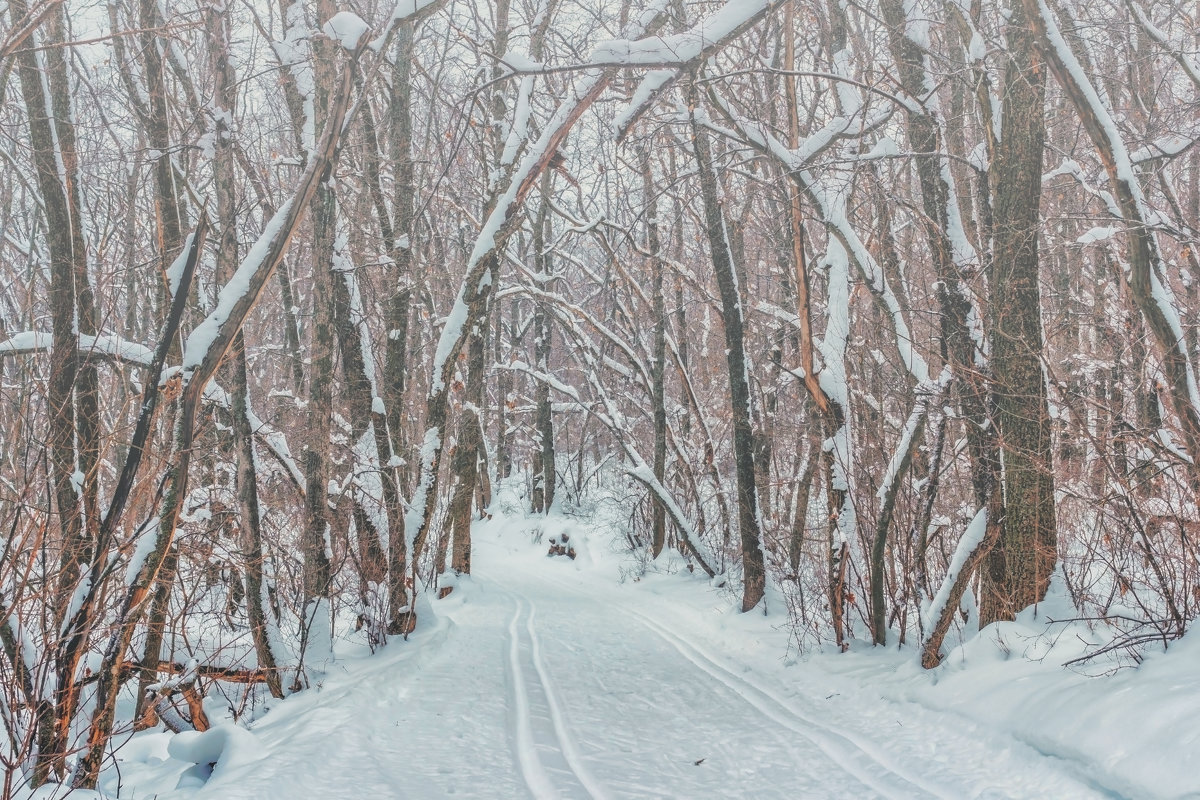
(543, 679)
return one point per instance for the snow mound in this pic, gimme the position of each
(224, 746)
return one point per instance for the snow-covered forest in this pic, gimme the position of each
(599, 398)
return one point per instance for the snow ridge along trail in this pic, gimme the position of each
(544, 678)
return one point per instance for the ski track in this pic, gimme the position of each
(840, 748)
(776, 710)
(862, 758)
(836, 742)
(622, 748)
(557, 743)
(532, 770)
(567, 742)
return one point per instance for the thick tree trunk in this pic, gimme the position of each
(1018, 569)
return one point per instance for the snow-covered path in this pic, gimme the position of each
(543, 679)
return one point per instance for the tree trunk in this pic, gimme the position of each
(72, 396)
(216, 21)
(926, 137)
(658, 367)
(753, 567)
(465, 465)
(400, 237)
(544, 474)
(1018, 569)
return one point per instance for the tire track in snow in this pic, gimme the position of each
(533, 770)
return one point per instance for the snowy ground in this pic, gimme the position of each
(547, 678)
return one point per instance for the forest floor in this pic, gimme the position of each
(550, 678)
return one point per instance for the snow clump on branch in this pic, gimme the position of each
(346, 28)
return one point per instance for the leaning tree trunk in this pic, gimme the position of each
(1147, 270)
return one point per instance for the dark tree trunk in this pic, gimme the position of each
(72, 395)
(1018, 569)
(753, 567)
(544, 474)
(958, 345)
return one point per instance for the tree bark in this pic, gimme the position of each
(216, 22)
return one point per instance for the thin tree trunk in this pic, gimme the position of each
(658, 367)
(832, 416)
(400, 237)
(544, 474)
(753, 567)
(504, 390)
(169, 232)
(249, 518)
